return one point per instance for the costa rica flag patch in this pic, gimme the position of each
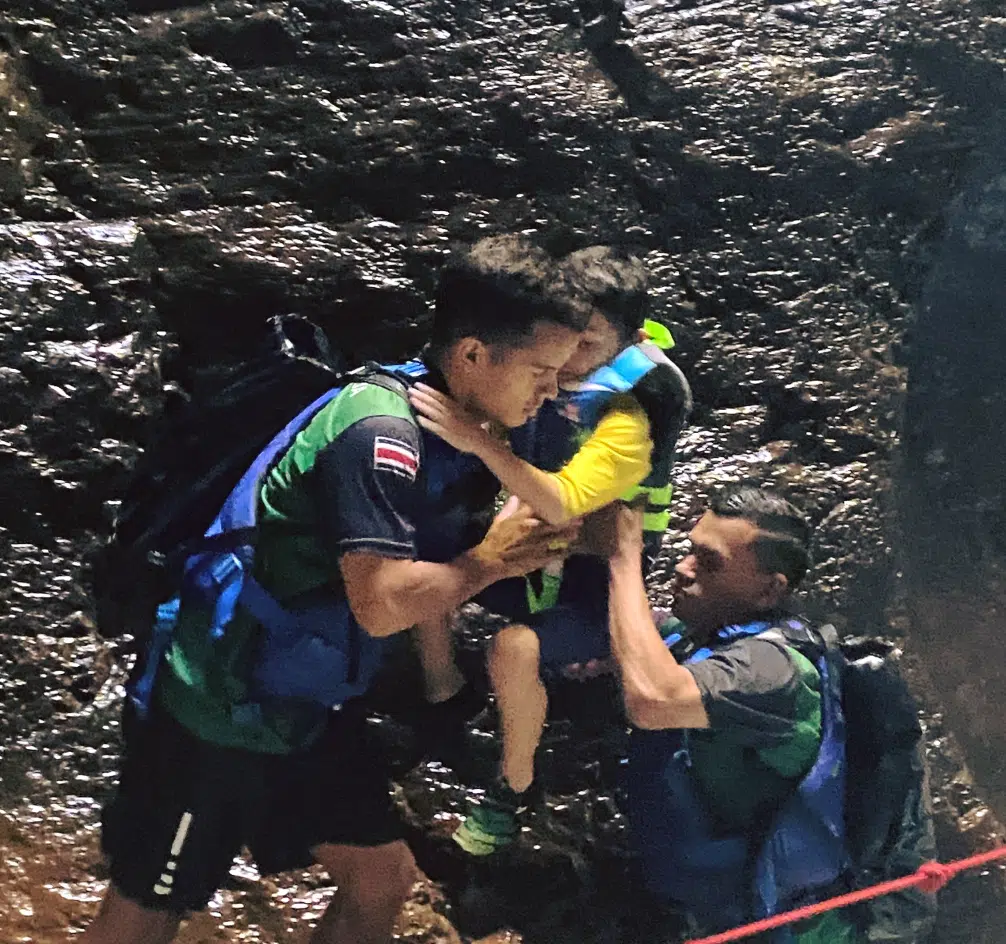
(396, 456)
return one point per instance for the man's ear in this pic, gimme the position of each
(471, 352)
(775, 589)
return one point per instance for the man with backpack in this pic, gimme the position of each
(351, 526)
(737, 792)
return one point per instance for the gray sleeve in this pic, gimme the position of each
(749, 689)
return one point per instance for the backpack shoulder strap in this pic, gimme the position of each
(810, 640)
(388, 378)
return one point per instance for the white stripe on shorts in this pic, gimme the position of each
(163, 885)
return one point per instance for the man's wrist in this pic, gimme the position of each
(626, 560)
(480, 569)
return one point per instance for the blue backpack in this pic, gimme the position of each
(185, 531)
(315, 651)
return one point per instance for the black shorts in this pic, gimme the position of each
(186, 807)
(576, 628)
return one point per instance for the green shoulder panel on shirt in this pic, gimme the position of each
(204, 679)
(740, 783)
(797, 755)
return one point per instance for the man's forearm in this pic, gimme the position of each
(635, 642)
(389, 596)
(658, 692)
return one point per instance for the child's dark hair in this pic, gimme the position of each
(783, 546)
(611, 281)
(498, 293)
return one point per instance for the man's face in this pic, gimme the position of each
(720, 581)
(598, 344)
(512, 383)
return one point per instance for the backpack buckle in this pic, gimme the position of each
(219, 571)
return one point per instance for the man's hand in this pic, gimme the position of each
(599, 533)
(388, 595)
(517, 542)
(614, 531)
(445, 418)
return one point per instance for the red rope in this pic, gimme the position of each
(930, 877)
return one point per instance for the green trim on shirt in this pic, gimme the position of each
(742, 784)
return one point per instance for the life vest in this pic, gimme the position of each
(314, 649)
(723, 880)
(551, 439)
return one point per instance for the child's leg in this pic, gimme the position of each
(514, 671)
(434, 642)
(520, 695)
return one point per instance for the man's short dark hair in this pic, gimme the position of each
(783, 546)
(498, 293)
(610, 281)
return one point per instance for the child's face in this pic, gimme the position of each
(599, 343)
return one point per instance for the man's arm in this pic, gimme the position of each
(369, 490)
(658, 693)
(388, 595)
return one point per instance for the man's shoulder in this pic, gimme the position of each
(768, 647)
(766, 695)
(363, 399)
(756, 665)
(799, 642)
(366, 411)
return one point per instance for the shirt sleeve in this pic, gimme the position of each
(368, 486)
(750, 689)
(615, 458)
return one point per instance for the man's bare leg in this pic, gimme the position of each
(435, 644)
(123, 921)
(373, 884)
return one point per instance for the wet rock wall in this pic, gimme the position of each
(171, 175)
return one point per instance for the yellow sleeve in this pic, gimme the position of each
(615, 458)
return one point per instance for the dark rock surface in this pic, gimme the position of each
(955, 457)
(171, 175)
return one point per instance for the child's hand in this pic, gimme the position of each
(443, 416)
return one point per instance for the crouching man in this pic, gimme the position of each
(736, 768)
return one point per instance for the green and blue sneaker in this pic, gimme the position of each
(492, 823)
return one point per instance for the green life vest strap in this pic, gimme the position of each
(657, 512)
